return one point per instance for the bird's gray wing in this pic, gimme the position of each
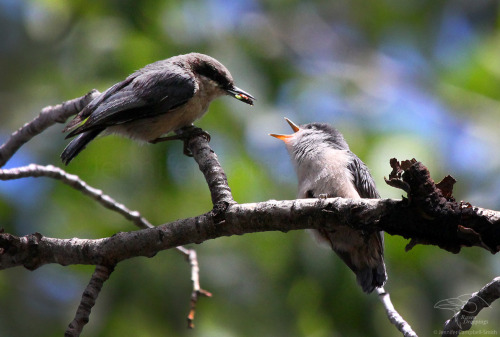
(365, 185)
(141, 95)
(91, 107)
(363, 181)
(371, 276)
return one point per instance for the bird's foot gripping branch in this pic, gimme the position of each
(432, 216)
(185, 134)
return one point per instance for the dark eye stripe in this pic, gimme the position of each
(217, 75)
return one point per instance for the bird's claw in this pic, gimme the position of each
(184, 134)
(192, 131)
(188, 132)
(164, 139)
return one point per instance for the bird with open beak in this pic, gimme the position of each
(326, 167)
(162, 97)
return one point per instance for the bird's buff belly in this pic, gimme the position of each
(148, 129)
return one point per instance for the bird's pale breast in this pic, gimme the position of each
(329, 175)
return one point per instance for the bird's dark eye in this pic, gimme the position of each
(215, 74)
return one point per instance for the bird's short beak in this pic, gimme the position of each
(241, 95)
(285, 138)
(294, 126)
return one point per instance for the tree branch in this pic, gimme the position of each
(89, 297)
(35, 171)
(213, 172)
(195, 278)
(35, 250)
(462, 320)
(47, 117)
(75, 182)
(394, 317)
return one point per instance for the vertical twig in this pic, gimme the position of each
(195, 278)
(394, 317)
(89, 297)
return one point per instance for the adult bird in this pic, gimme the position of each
(327, 168)
(163, 96)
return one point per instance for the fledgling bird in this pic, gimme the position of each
(327, 168)
(163, 96)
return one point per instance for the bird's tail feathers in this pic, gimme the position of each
(369, 268)
(73, 123)
(78, 144)
(371, 278)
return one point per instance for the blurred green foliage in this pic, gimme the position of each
(399, 79)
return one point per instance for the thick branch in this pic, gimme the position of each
(210, 167)
(434, 217)
(34, 250)
(47, 117)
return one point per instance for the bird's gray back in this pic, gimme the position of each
(148, 92)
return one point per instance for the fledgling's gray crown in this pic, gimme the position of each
(316, 133)
(310, 141)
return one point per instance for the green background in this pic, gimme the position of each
(400, 79)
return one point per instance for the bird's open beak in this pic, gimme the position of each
(285, 138)
(241, 95)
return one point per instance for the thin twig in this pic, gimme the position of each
(89, 297)
(35, 171)
(394, 317)
(462, 320)
(191, 256)
(47, 117)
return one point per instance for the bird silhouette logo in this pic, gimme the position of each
(461, 303)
